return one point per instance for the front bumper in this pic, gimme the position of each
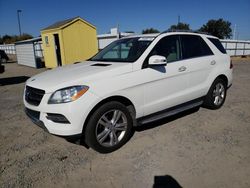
(34, 116)
(75, 112)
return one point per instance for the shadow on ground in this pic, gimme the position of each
(13, 80)
(144, 127)
(166, 120)
(165, 182)
(10, 61)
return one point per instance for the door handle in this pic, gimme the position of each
(183, 68)
(213, 62)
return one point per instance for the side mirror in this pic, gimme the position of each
(157, 60)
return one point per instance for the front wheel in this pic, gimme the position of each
(109, 127)
(216, 95)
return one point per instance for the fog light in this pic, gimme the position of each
(57, 118)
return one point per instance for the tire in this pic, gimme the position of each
(216, 95)
(109, 127)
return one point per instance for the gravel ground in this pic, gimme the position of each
(199, 148)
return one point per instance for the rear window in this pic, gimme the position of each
(194, 46)
(218, 45)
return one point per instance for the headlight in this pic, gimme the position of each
(67, 94)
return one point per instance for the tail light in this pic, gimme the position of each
(231, 64)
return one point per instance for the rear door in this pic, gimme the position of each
(199, 60)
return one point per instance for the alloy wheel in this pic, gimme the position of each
(218, 94)
(111, 128)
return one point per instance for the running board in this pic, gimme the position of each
(169, 112)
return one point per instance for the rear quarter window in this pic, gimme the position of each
(194, 46)
(218, 45)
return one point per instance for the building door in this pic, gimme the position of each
(58, 51)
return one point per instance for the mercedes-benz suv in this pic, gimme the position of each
(131, 82)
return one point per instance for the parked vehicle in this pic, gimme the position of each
(133, 81)
(3, 59)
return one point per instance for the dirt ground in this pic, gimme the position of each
(202, 148)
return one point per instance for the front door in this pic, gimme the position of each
(166, 85)
(57, 49)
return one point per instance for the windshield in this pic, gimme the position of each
(124, 50)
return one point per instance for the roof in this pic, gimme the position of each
(64, 23)
(60, 23)
(109, 35)
(187, 31)
(153, 35)
(37, 39)
(149, 35)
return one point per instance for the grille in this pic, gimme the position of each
(33, 96)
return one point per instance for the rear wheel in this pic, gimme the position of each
(109, 127)
(216, 95)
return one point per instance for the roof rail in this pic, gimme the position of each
(188, 31)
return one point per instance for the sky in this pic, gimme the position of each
(131, 15)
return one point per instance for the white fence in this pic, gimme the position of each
(11, 48)
(8, 48)
(233, 47)
(236, 47)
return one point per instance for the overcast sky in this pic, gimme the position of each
(131, 15)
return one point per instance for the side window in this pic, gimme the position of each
(218, 45)
(194, 46)
(168, 47)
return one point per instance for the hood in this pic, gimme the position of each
(82, 73)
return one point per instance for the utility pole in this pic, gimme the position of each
(19, 24)
(179, 18)
(238, 34)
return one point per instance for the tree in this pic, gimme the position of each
(25, 36)
(180, 26)
(219, 28)
(7, 39)
(150, 30)
(129, 32)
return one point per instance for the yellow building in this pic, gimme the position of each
(68, 41)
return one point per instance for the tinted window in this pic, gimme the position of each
(194, 46)
(168, 47)
(218, 45)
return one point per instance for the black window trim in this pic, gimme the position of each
(145, 62)
(210, 40)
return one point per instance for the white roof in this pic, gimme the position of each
(109, 35)
(172, 33)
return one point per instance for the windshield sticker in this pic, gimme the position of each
(146, 39)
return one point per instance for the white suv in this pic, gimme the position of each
(133, 81)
